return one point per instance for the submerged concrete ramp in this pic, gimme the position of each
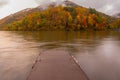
(56, 65)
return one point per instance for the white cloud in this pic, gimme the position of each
(2, 3)
(109, 7)
(53, 0)
(106, 6)
(15, 6)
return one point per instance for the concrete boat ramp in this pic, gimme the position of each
(56, 65)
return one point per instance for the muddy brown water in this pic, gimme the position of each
(98, 53)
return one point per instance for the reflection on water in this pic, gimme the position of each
(97, 52)
(16, 56)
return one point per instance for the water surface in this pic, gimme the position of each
(97, 52)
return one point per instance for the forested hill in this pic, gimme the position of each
(65, 16)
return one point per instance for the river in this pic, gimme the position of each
(98, 53)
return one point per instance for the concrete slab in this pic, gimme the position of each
(56, 65)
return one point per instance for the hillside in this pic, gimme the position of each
(64, 16)
(17, 16)
(21, 14)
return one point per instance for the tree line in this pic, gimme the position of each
(64, 18)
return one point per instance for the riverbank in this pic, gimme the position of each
(56, 65)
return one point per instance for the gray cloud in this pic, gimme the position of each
(40, 2)
(2, 3)
(94, 3)
(109, 7)
(117, 7)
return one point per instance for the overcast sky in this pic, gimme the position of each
(109, 7)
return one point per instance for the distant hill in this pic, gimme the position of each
(17, 16)
(65, 15)
(21, 14)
